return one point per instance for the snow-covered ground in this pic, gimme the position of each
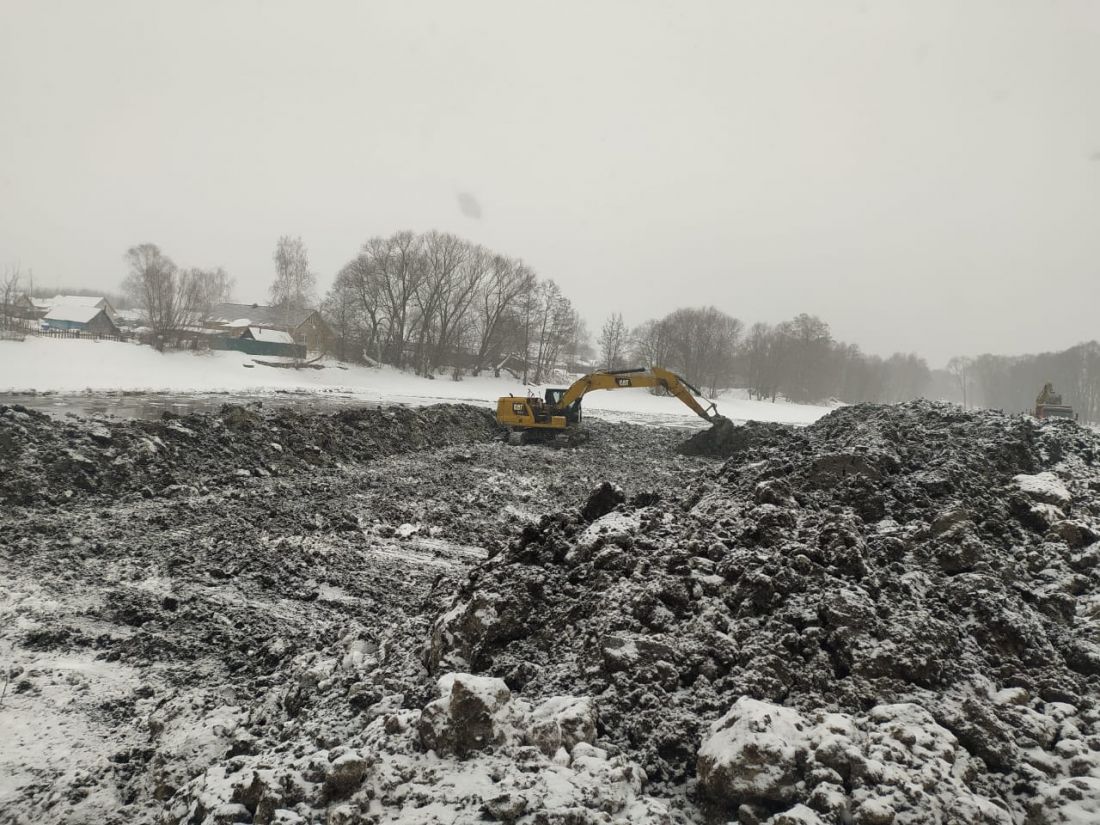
(77, 366)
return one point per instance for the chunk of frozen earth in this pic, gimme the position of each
(471, 714)
(1045, 487)
(1069, 801)
(798, 815)
(608, 526)
(562, 722)
(753, 753)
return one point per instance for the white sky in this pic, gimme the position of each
(923, 175)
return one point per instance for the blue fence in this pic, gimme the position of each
(251, 347)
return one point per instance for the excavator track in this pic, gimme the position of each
(572, 437)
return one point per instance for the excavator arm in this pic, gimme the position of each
(652, 377)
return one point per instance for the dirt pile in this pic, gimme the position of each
(724, 439)
(167, 642)
(892, 615)
(475, 754)
(49, 460)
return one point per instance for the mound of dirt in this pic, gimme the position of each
(48, 460)
(724, 439)
(892, 615)
(245, 646)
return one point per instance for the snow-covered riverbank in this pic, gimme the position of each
(75, 366)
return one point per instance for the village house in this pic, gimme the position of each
(91, 319)
(96, 301)
(19, 311)
(304, 326)
(260, 341)
(129, 319)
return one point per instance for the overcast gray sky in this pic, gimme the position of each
(923, 175)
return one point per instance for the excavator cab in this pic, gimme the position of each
(572, 412)
(530, 412)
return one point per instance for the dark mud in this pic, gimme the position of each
(725, 439)
(891, 616)
(50, 461)
(915, 556)
(180, 592)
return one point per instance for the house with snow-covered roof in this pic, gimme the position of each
(97, 301)
(274, 336)
(91, 319)
(305, 326)
(258, 341)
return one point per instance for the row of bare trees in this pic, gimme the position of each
(431, 300)
(698, 343)
(800, 360)
(796, 359)
(1011, 383)
(171, 299)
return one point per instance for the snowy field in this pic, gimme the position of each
(76, 366)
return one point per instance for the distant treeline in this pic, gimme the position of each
(801, 361)
(1011, 382)
(797, 359)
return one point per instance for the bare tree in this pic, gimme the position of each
(1012, 382)
(398, 264)
(294, 287)
(860, 377)
(960, 367)
(706, 340)
(907, 377)
(651, 343)
(579, 345)
(443, 255)
(342, 313)
(166, 296)
(507, 283)
(613, 342)
(549, 325)
(10, 286)
(699, 343)
(797, 358)
(209, 287)
(759, 357)
(454, 316)
(805, 346)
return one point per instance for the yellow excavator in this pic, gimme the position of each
(558, 416)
